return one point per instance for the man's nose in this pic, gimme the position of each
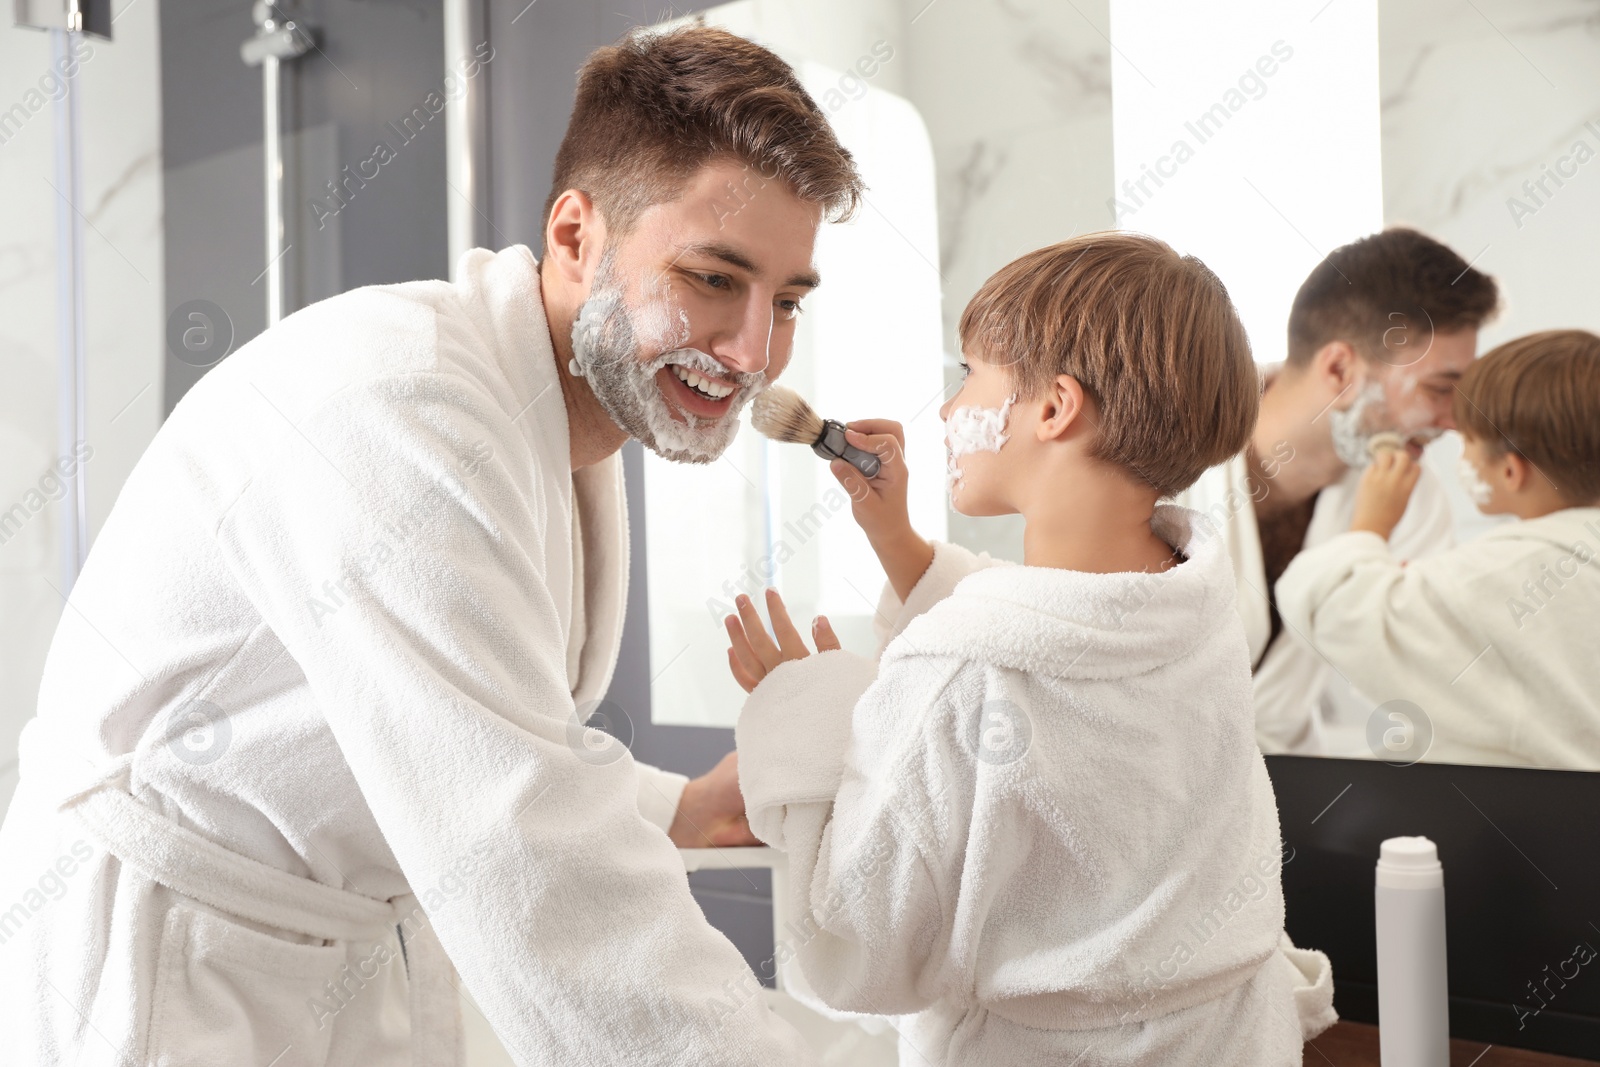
(748, 349)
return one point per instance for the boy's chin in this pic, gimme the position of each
(976, 507)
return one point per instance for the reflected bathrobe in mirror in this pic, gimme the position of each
(308, 737)
(1295, 692)
(1041, 821)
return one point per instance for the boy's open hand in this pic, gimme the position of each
(1384, 491)
(754, 654)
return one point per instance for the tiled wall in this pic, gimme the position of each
(117, 86)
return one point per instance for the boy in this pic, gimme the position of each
(1041, 822)
(1493, 640)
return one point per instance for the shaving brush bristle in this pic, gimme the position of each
(783, 415)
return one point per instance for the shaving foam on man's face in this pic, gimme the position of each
(632, 356)
(1372, 413)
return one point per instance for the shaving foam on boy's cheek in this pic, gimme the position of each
(1479, 490)
(975, 429)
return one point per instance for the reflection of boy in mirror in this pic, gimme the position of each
(1379, 333)
(1494, 640)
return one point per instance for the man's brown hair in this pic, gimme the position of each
(1387, 295)
(655, 107)
(1150, 335)
(1539, 396)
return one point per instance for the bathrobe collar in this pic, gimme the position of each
(1570, 529)
(596, 579)
(1062, 623)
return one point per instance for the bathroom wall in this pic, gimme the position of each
(364, 162)
(1016, 95)
(1491, 143)
(1017, 98)
(1483, 103)
(117, 87)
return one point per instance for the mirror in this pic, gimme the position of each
(1259, 137)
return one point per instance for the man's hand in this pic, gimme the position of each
(1384, 491)
(753, 654)
(711, 810)
(879, 504)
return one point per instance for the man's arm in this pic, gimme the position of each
(442, 670)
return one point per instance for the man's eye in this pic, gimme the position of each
(790, 308)
(715, 281)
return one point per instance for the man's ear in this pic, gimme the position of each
(1062, 409)
(1339, 367)
(573, 236)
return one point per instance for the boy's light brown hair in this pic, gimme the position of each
(655, 107)
(1540, 397)
(1386, 295)
(1150, 335)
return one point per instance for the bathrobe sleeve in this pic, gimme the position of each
(1378, 621)
(837, 772)
(414, 591)
(951, 563)
(659, 793)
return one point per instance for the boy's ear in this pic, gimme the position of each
(1516, 470)
(1062, 408)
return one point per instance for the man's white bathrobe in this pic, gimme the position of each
(318, 679)
(1494, 640)
(1294, 688)
(1041, 821)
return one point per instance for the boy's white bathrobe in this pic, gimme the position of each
(1293, 686)
(1494, 640)
(1041, 822)
(319, 678)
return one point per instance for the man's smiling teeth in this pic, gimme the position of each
(715, 390)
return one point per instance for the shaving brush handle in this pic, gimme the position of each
(831, 445)
(865, 462)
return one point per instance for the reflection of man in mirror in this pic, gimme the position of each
(1379, 333)
(312, 733)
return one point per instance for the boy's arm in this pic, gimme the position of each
(947, 564)
(920, 572)
(827, 770)
(1377, 620)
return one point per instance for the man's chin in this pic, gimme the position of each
(681, 444)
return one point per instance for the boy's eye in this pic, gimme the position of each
(966, 369)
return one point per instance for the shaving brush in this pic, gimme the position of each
(1387, 441)
(783, 415)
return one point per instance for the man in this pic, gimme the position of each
(310, 732)
(1378, 335)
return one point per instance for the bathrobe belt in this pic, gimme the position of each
(197, 867)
